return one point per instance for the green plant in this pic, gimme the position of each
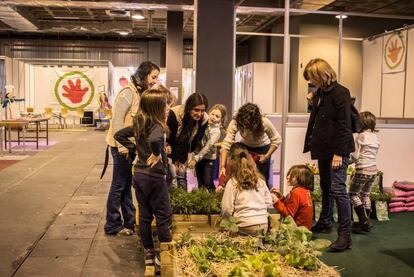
(198, 201)
(229, 224)
(266, 264)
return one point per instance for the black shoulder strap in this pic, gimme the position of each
(106, 161)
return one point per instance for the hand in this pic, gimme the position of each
(168, 150)
(277, 193)
(219, 188)
(74, 92)
(123, 152)
(274, 198)
(263, 158)
(309, 96)
(336, 162)
(222, 171)
(191, 164)
(153, 160)
(179, 166)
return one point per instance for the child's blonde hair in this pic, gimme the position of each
(319, 71)
(303, 176)
(243, 168)
(223, 112)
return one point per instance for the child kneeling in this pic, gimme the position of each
(246, 195)
(298, 203)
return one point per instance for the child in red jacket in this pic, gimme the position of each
(298, 203)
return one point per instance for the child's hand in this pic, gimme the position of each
(275, 192)
(153, 160)
(274, 198)
(191, 164)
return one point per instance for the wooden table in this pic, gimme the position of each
(9, 125)
(37, 122)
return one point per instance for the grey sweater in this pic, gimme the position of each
(208, 143)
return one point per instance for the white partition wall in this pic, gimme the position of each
(371, 70)
(409, 85)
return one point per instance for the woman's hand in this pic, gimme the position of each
(191, 164)
(263, 158)
(336, 162)
(153, 160)
(219, 188)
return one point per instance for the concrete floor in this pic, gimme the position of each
(52, 211)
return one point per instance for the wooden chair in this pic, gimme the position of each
(29, 110)
(48, 113)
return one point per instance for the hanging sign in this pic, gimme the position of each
(394, 52)
(74, 90)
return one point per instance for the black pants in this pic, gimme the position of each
(153, 199)
(205, 171)
(263, 168)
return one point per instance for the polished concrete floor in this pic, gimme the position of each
(52, 211)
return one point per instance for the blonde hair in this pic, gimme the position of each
(222, 109)
(171, 99)
(243, 168)
(151, 112)
(320, 72)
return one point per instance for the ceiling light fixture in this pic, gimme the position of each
(237, 19)
(341, 16)
(137, 14)
(123, 33)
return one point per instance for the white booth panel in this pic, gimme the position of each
(409, 85)
(371, 72)
(392, 103)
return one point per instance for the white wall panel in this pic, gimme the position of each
(392, 102)
(371, 72)
(409, 85)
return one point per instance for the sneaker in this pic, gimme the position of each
(149, 257)
(125, 232)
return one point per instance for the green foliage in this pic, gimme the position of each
(229, 224)
(218, 250)
(198, 201)
(265, 264)
(294, 244)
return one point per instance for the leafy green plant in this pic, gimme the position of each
(266, 263)
(198, 201)
(229, 223)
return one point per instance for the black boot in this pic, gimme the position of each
(363, 226)
(319, 228)
(342, 243)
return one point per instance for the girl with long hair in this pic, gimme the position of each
(149, 130)
(187, 124)
(246, 195)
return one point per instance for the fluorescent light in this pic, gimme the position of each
(341, 16)
(138, 15)
(237, 19)
(123, 33)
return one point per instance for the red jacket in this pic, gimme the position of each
(297, 204)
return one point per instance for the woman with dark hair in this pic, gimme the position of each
(187, 124)
(258, 135)
(124, 109)
(330, 141)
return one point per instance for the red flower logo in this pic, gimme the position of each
(74, 92)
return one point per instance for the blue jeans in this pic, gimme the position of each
(333, 186)
(153, 199)
(205, 171)
(120, 195)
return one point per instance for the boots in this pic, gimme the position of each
(342, 243)
(363, 226)
(319, 228)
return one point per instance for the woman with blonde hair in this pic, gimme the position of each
(246, 195)
(330, 141)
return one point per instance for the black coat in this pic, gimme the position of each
(329, 129)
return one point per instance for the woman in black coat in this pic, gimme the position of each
(330, 141)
